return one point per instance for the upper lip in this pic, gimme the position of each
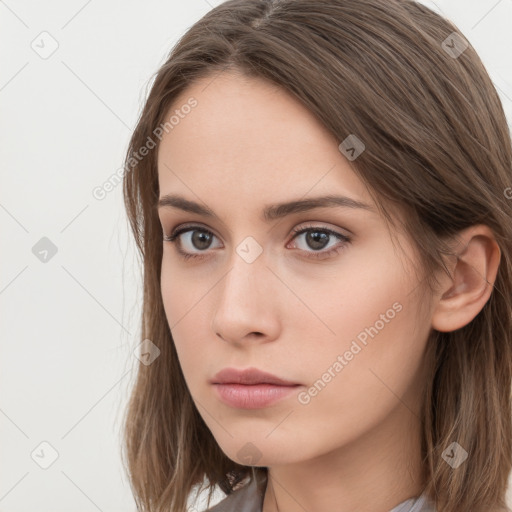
(248, 376)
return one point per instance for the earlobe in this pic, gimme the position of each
(473, 275)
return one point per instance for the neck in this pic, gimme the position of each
(376, 472)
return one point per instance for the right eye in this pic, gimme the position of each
(196, 237)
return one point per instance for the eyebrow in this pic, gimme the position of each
(270, 212)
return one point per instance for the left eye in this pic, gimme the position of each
(317, 238)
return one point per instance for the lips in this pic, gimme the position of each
(249, 376)
(251, 388)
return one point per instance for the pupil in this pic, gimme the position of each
(199, 238)
(317, 239)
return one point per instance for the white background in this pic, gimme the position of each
(69, 325)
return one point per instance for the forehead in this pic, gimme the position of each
(248, 138)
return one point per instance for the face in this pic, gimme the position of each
(319, 297)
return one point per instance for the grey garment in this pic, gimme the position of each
(249, 498)
(419, 504)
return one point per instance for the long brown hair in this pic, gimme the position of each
(437, 146)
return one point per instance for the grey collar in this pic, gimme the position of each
(249, 498)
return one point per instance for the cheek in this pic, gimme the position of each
(170, 283)
(380, 377)
(187, 305)
(376, 347)
(183, 293)
(369, 288)
(182, 306)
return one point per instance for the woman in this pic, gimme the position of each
(318, 190)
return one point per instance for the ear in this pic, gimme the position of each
(464, 294)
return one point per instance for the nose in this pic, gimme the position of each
(247, 303)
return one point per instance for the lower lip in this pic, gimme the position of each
(253, 396)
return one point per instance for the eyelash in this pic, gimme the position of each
(173, 238)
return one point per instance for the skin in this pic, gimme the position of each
(356, 445)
